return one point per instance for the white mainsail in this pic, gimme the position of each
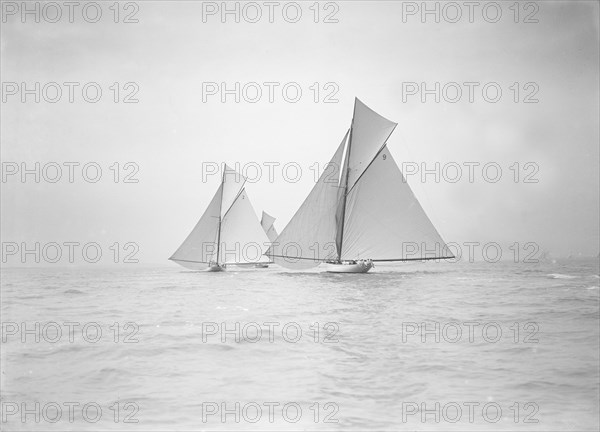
(369, 213)
(228, 232)
(309, 237)
(267, 221)
(200, 246)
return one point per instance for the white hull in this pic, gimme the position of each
(215, 268)
(359, 267)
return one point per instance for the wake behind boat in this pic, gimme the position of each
(362, 213)
(228, 233)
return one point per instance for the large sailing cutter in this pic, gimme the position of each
(228, 233)
(362, 213)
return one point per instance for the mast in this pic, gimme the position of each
(220, 208)
(345, 188)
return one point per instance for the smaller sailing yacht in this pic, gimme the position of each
(267, 221)
(361, 210)
(228, 233)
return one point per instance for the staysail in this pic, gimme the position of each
(370, 213)
(243, 240)
(228, 232)
(309, 237)
(384, 220)
(267, 221)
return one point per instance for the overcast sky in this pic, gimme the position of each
(369, 53)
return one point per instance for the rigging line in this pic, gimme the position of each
(234, 201)
(191, 261)
(374, 260)
(340, 169)
(220, 218)
(240, 264)
(302, 258)
(237, 196)
(414, 259)
(346, 163)
(373, 160)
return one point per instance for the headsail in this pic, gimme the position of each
(384, 220)
(267, 222)
(243, 240)
(309, 237)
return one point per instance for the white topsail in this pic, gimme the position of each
(368, 212)
(228, 232)
(369, 133)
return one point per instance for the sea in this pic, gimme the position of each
(429, 346)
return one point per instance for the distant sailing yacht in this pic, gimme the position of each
(361, 214)
(228, 233)
(267, 221)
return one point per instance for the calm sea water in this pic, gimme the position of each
(517, 348)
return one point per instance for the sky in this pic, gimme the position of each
(178, 130)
